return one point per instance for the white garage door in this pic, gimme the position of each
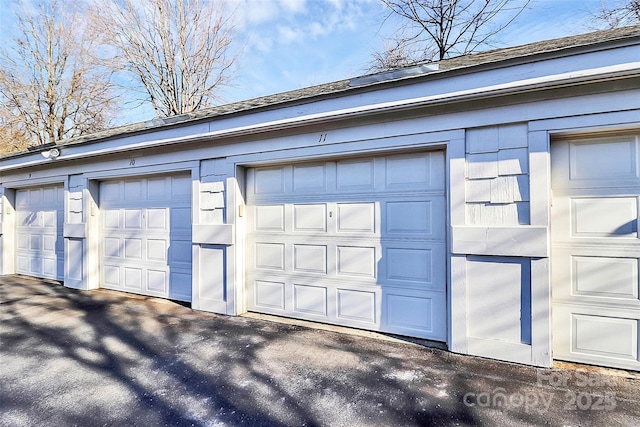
(357, 242)
(595, 251)
(40, 245)
(146, 236)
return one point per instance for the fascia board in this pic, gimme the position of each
(613, 72)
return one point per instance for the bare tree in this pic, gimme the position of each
(178, 51)
(436, 29)
(395, 55)
(614, 14)
(12, 135)
(49, 86)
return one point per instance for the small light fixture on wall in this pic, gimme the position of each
(51, 154)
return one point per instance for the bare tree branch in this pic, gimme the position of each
(49, 85)
(179, 51)
(614, 14)
(436, 29)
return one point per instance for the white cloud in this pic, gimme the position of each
(295, 6)
(254, 12)
(288, 35)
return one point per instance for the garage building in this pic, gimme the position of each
(489, 202)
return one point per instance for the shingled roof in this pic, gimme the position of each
(439, 69)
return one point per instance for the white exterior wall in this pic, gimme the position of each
(213, 237)
(498, 190)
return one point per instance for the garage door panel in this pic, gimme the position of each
(269, 180)
(356, 217)
(603, 160)
(156, 188)
(355, 175)
(133, 190)
(308, 258)
(157, 250)
(22, 199)
(415, 313)
(327, 239)
(111, 218)
(133, 248)
(111, 276)
(602, 276)
(23, 241)
(109, 191)
(310, 217)
(181, 188)
(408, 172)
(49, 266)
(607, 336)
(596, 251)
(269, 256)
(269, 294)
(112, 247)
(147, 241)
(180, 288)
(598, 163)
(35, 266)
(39, 241)
(49, 219)
(583, 333)
(588, 275)
(22, 263)
(414, 265)
(181, 220)
(357, 306)
(310, 300)
(157, 219)
(180, 253)
(133, 219)
(309, 178)
(605, 217)
(157, 281)
(356, 261)
(49, 243)
(269, 218)
(409, 217)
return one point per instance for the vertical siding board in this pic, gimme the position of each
(483, 140)
(478, 190)
(213, 276)
(513, 161)
(456, 188)
(513, 136)
(540, 178)
(484, 165)
(541, 324)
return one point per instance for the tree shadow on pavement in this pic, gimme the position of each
(85, 358)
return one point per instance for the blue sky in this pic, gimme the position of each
(296, 43)
(289, 44)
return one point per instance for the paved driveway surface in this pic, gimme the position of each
(101, 358)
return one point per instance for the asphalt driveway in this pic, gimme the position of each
(103, 358)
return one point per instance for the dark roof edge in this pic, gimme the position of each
(519, 54)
